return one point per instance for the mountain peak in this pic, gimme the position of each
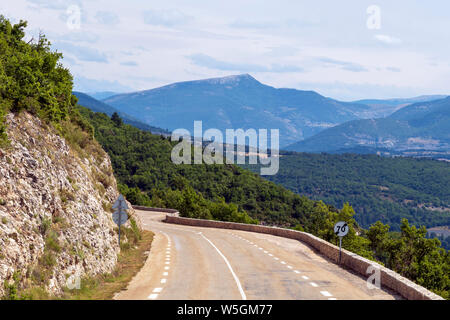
(232, 79)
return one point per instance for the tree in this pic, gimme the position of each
(378, 236)
(116, 119)
(32, 78)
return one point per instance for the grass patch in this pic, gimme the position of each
(103, 287)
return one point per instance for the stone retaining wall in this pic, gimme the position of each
(388, 278)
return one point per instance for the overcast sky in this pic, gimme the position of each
(346, 49)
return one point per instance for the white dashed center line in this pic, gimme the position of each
(324, 293)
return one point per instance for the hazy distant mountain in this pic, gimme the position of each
(384, 108)
(99, 106)
(237, 102)
(423, 125)
(102, 95)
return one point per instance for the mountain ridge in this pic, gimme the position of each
(422, 125)
(237, 101)
(96, 105)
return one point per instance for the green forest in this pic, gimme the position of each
(378, 188)
(33, 80)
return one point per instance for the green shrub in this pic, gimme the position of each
(51, 242)
(33, 79)
(45, 225)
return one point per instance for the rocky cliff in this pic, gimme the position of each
(55, 200)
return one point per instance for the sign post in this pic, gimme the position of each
(120, 214)
(341, 229)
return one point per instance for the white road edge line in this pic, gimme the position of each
(238, 283)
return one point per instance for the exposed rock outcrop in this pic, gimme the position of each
(55, 218)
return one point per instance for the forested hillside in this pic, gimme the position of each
(378, 188)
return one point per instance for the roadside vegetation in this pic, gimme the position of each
(131, 259)
(135, 246)
(32, 79)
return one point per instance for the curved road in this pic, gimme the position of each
(205, 263)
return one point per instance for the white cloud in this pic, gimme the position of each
(345, 65)
(272, 40)
(212, 63)
(167, 18)
(387, 39)
(107, 17)
(94, 85)
(82, 53)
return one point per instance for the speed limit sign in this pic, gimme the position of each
(341, 228)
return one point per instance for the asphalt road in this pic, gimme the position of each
(206, 263)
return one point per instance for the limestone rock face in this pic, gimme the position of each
(55, 219)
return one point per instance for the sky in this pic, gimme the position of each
(346, 49)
